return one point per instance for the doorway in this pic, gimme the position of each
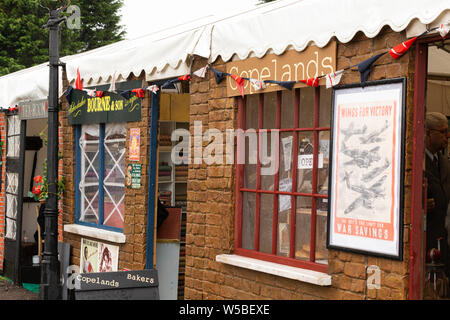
(26, 153)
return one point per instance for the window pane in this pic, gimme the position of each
(265, 223)
(11, 206)
(13, 125)
(284, 218)
(306, 115)
(248, 220)
(305, 162)
(11, 229)
(251, 144)
(270, 110)
(325, 107)
(287, 110)
(251, 112)
(324, 154)
(114, 182)
(13, 147)
(321, 231)
(89, 180)
(303, 228)
(268, 157)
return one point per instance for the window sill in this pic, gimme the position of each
(95, 233)
(304, 275)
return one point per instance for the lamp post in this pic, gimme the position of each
(50, 288)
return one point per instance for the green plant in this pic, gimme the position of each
(40, 189)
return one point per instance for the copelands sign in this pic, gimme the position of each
(111, 107)
(290, 66)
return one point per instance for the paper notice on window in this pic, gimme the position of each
(305, 161)
(285, 185)
(287, 152)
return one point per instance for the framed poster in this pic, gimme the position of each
(135, 144)
(98, 257)
(367, 168)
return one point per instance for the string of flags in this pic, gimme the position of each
(332, 79)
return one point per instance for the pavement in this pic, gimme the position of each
(10, 291)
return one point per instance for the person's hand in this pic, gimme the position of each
(430, 204)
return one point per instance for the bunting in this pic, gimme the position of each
(240, 82)
(313, 82)
(400, 49)
(332, 79)
(443, 30)
(78, 84)
(364, 67)
(201, 73)
(258, 84)
(139, 92)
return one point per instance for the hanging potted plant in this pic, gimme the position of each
(40, 188)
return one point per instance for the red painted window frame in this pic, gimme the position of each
(239, 189)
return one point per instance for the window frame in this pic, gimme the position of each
(314, 195)
(101, 195)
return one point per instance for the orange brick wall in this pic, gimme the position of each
(210, 210)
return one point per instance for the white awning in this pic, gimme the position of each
(272, 27)
(299, 23)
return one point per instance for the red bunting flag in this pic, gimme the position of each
(186, 77)
(312, 82)
(139, 92)
(240, 82)
(78, 84)
(400, 50)
(99, 94)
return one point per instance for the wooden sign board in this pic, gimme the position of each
(290, 66)
(123, 285)
(111, 108)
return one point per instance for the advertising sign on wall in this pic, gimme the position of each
(98, 257)
(366, 176)
(111, 107)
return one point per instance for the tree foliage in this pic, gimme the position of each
(24, 41)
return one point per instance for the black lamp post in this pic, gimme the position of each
(50, 288)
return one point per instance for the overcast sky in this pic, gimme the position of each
(144, 16)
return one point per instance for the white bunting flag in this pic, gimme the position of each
(443, 30)
(201, 72)
(334, 78)
(91, 93)
(154, 88)
(258, 84)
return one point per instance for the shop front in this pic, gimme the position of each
(317, 190)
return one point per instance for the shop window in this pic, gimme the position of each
(100, 158)
(282, 215)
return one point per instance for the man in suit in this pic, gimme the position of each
(438, 177)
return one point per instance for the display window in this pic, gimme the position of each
(100, 161)
(281, 214)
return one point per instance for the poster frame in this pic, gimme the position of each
(398, 199)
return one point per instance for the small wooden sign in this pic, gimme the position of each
(123, 285)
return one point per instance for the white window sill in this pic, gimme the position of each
(304, 275)
(95, 233)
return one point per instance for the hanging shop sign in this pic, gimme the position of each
(366, 176)
(122, 285)
(290, 66)
(37, 109)
(110, 107)
(133, 177)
